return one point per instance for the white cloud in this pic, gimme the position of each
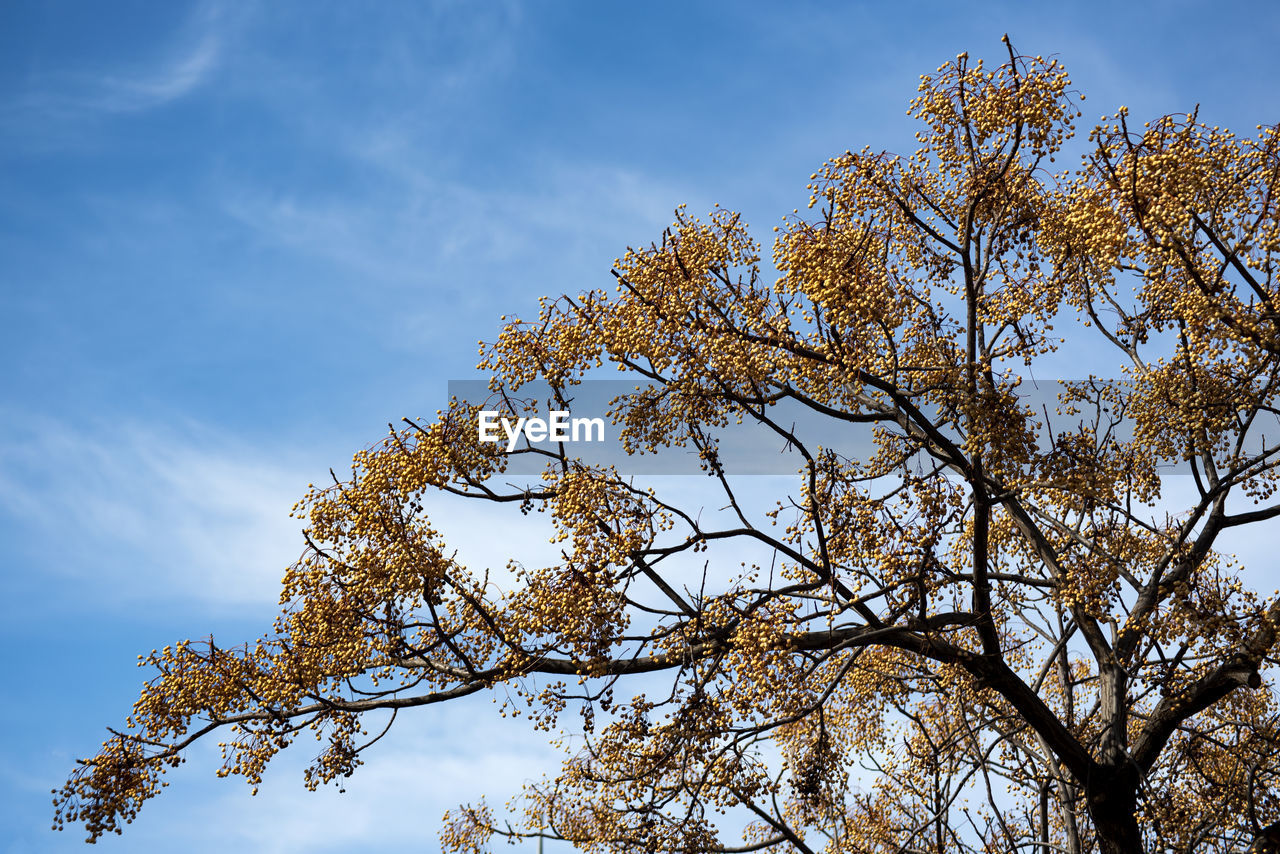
(432, 760)
(136, 512)
(54, 108)
(180, 76)
(419, 225)
(184, 512)
(69, 96)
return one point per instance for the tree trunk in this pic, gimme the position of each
(1113, 807)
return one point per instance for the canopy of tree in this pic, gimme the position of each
(990, 633)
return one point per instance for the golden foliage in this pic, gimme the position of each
(988, 634)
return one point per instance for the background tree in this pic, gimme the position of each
(988, 634)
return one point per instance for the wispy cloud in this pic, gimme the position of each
(429, 762)
(469, 248)
(79, 95)
(132, 512)
(54, 107)
(419, 223)
(182, 75)
(432, 759)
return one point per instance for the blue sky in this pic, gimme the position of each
(236, 239)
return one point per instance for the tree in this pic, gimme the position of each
(987, 634)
